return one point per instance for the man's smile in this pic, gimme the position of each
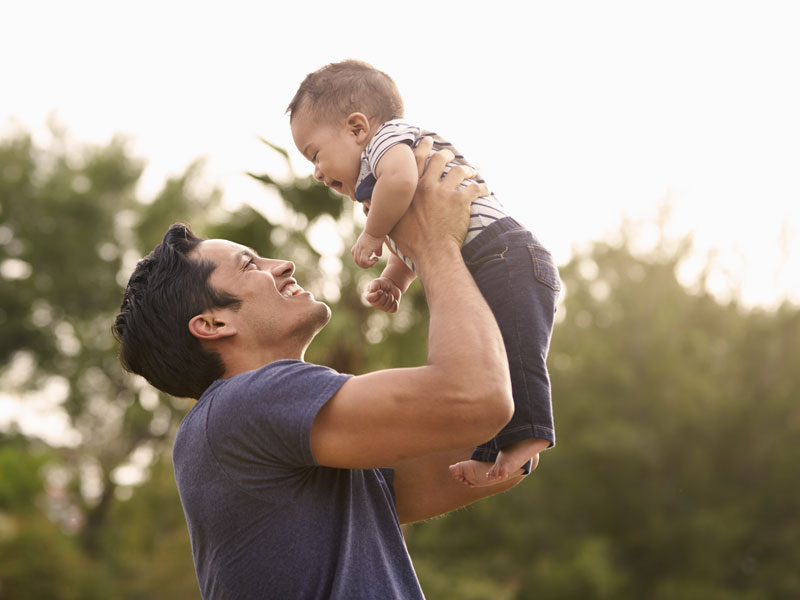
(290, 288)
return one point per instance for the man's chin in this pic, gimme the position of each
(325, 314)
(320, 317)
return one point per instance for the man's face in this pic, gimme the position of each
(333, 147)
(275, 310)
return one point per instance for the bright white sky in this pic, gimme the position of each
(579, 114)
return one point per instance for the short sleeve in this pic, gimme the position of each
(389, 134)
(265, 416)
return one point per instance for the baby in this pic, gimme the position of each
(346, 118)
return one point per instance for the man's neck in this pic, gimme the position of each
(247, 360)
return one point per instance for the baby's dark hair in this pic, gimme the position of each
(341, 88)
(165, 291)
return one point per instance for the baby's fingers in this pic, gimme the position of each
(382, 301)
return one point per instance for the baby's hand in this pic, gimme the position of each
(365, 247)
(382, 293)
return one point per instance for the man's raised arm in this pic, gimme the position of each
(462, 396)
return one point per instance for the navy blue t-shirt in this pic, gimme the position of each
(265, 520)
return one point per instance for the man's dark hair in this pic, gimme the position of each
(338, 89)
(165, 291)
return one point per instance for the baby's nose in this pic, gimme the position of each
(318, 174)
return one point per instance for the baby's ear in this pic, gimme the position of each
(358, 125)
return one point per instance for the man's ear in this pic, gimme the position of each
(210, 326)
(358, 125)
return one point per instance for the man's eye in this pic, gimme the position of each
(249, 263)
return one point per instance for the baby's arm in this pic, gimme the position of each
(385, 291)
(396, 181)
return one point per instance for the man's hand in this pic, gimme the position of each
(439, 213)
(383, 294)
(466, 370)
(366, 250)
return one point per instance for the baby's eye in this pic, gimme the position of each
(314, 158)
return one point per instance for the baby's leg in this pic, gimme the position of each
(513, 457)
(509, 463)
(520, 283)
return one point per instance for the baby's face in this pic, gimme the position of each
(332, 147)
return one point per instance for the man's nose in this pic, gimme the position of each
(282, 268)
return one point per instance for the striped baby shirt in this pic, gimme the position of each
(483, 212)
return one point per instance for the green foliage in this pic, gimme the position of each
(673, 477)
(20, 484)
(145, 543)
(305, 196)
(38, 560)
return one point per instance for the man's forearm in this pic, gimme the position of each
(463, 336)
(462, 396)
(465, 348)
(424, 488)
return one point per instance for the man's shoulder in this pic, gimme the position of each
(280, 381)
(273, 388)
(265, 409)
(288, 369)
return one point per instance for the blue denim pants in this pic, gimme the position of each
(519, 280)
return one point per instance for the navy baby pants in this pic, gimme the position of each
(519, 280)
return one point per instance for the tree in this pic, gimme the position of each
(71, 224)
(672, 477)
(677, 416)
(37, 559)
(72, 229)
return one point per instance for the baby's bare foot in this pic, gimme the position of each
(509, 463)
(512, 458)
(471, 472)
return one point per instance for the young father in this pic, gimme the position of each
(294, 478)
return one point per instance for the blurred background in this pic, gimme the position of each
(652, 146)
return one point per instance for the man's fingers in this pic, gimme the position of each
(436, 166)
(459, 173)
(421, 153)
(477, 189)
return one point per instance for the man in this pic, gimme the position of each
(282, 465)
